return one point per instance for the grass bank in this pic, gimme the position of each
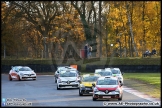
(148, 83)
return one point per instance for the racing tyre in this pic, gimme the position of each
(94, 99)
(19, 78)
(55, 80)
(120, 98)
(80, 93)
(58, 88)
(34, 79)
(10, 77)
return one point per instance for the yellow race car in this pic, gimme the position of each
(85, 86)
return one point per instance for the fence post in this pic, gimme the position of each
(4, 51)
(42, 53)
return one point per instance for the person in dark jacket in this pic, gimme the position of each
(153, 51)
(85, 50)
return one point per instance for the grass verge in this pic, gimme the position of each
(148, 83)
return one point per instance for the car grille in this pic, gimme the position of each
(89, 87)
(29, 77)
(105, 91)
(68, 81)
(29, 74)
(73, 85)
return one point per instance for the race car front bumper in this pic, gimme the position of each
(86, 90)
(28, 77)
(109, 95)
(72, 85)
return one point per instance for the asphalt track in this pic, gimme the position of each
(43, 92)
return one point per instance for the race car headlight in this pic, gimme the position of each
(34, 73)
(21, 74)
(117, 90)
(95, 89)
(120, 78)
(81, 85)
(76, 81)
(59, 80)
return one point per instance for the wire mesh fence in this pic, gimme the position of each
(59, 54)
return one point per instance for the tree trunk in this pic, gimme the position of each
(106, 39)
(131, 31)
(100, 54)
(143, 16)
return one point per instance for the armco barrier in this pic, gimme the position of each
(90, 68)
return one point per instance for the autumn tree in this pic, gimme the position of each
(143, 28)
(44, 16)
(9, 31)
(89, 18)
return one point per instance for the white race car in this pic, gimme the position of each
(103, 72)
(59, 69)
(21, 73)
(63, 68)
(116, 72)
(68, 79)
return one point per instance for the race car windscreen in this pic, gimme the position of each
(115, 71)
(107, 82)
(68, 74)
(25, 69)
(104, 73)
(90, 79)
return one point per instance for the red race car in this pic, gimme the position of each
(107, 88)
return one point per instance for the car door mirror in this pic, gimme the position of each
(79, 81)
(121, 84)
(79, 73)
(93, 84)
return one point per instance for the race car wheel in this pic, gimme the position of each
(94, 99)
(34, 79)
(10, 77)
(18, 77)
(58, 88)
(55, 80)
(80, 92)
(120, 98)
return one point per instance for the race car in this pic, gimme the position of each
(21, 73)
(103, 72)
(59, 69)
(85, 86)
(68, 79)
(117, 73)
(107, 88)
(63, 68)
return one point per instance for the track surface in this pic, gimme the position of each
(43, 92)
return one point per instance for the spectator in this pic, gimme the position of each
(89, 51)
(86, 50)
(147, 53)
(153, 51)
